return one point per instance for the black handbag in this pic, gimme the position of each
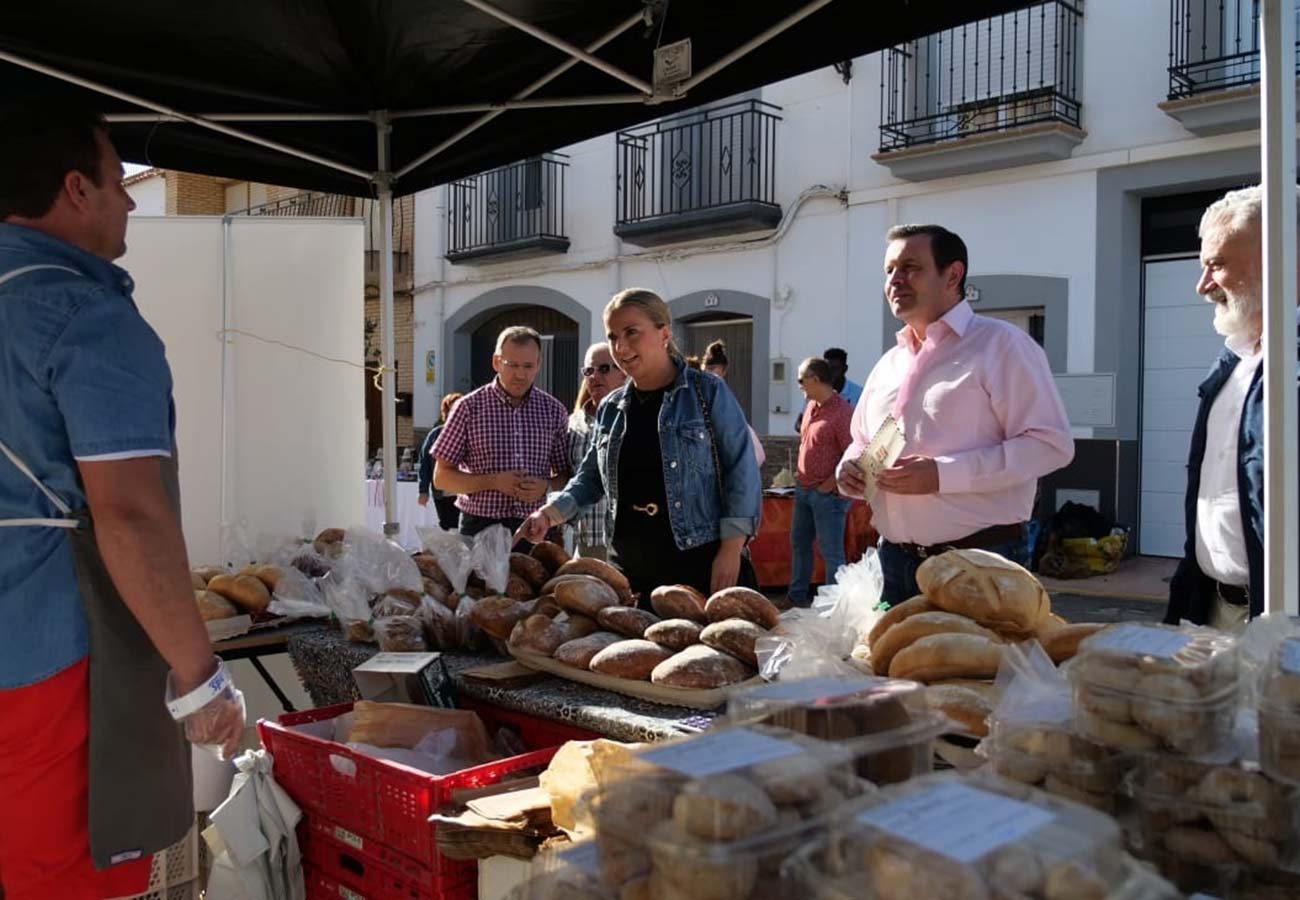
(748, 576)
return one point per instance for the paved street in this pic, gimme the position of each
(1079, 608)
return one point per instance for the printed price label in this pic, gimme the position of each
(808, 690)
(724, 751)
(958, 821)
(348, 894)
(883, 451)
(347, 837)
(1289, 656)
(1141, 639)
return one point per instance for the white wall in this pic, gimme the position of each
(150, 196)
(294, 445)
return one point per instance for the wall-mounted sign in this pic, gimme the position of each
(1089, 398)
(430, 367)
(672, 66)
(711, 300)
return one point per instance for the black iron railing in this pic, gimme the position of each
(1213, 46)
(698, 161)
(321, 205)
(1016, 69)
(518, 202)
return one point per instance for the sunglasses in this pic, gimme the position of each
(603, 368)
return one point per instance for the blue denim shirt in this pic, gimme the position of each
(701, 506)
(82, 375)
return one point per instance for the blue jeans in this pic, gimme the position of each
(822, 516)
(899, 568)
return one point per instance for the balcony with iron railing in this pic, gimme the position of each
(1214, 65)
(998, 92)
(315, 204)
(511, 212)
(706, 173)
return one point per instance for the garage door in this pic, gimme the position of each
(1178, 345)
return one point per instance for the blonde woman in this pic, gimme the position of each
(600, 376)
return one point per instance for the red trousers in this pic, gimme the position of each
(44, 796)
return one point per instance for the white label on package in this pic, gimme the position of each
(809, 690)
(960, 822)
(1289, 656)
(1141, 639)
(725, 751)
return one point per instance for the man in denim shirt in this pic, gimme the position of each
(86, 410)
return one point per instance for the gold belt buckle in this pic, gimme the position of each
(650, 509)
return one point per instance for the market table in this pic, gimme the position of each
(770, 548)
(253, 645)
(324, 660)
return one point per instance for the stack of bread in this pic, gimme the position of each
(221, 594)
(952, 635)
(689, 641)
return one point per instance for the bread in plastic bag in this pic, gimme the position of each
(451, 551)
(442, 629)
(491, 556)
(297, 597)
(400, 634)
(378, 563)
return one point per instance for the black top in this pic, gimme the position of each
(641, 466)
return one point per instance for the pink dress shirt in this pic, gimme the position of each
(978, 396)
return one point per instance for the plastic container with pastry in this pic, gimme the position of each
(1279, 712)
(570, 872)
(885, 723)
(1045, 752)
(714, 817)
(1146, 687)
(969, 837)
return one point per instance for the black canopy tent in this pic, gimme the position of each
(388, 97)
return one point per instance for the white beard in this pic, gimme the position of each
(1237, 315)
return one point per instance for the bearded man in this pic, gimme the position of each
(1220, 581)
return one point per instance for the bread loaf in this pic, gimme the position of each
(394, 605)
(700, 667)
(675, 634)
(988, 588)
(197, 582)
(214, 606)
(897, 613)
(967, 707)
(268, 575)
(1063, 643)
(939, 656)
(742, 603)
(734, 636)
(918, 626)
(580, 652)
(246, 592)
(430, 570)
(531, 570)
(329, 543)
(598, 569)
(548, 606)
(400, 634)
(549, 554)
(584, 595)
(634, 659)
(577, 625)
(207, 573)
(679, 601)
(518, 588)
(723, 808)
(497, 615)
(538, 634)
(626, 620)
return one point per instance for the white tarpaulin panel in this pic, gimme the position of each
(294, 423)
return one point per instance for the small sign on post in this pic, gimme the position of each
(672, 67)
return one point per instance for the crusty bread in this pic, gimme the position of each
(675, 634)
(634, 659)
(539, 634)
(549, 554)
(939, 656)
(918, 626)
(734, 636)
(207, 573)
(530, 569)
(1063, 643)
(584, 595)
(498, 615)
(700, 667)
(581, 651)
(599, 569)
(679, 601)
(214, 606)
(329, 543)
(518, 588)
(742, 603)
(965, 705)
(897, 613)
(577, 625)
(626, 620)
(248, 594)
(988, 588)
(268, 575)
(431, 571)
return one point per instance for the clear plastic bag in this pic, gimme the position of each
(297, 597)
(471, 636)
(400, 634)
(491, 556)
(379, 564)
(236, 545)
(442, 628)
(344, 595)
(451, 551)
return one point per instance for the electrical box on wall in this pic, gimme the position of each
(779, 391)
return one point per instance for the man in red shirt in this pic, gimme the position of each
(819, 510)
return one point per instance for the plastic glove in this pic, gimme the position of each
(212, 714)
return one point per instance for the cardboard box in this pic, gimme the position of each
(419, 678)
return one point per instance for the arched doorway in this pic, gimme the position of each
(743, 321)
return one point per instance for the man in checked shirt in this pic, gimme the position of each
(505, 443)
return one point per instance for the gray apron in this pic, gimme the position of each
(141, 789)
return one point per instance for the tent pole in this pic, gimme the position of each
(1278, 159)
(540, 103)
(387, 358)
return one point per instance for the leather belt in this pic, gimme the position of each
(992, 536)
(1232, 594)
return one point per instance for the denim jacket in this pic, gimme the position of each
(701, 506)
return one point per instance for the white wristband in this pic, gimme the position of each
(202, 695)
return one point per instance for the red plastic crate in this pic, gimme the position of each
(377, 799)
(533, 731)
(322, 886)
(374, 868)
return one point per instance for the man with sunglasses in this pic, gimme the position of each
(599, 377)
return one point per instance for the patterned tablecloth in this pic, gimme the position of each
(324, 661)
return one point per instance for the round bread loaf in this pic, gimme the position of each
(742, 603)
(584, 595)
(897, 613)
(267, 574)
(197, 582)
(207, 573)
(549, 554)
(634, 659)
(918, 626)
(734, 636)
(547, 605)
(246, 592)
(430, 570)
(675, 634)
(497, 615)
(530, 569)
(1063, 643)
(394, 605)
(604, 571)
(723, 808)
(539, 634)
(939, 656)
(577, 625)
(581, 651)
(626, 620)
(968, 707)
(400, 634)
(214, 606)
(700, 667)
(679, 601)
(518, 588)
(329, 543)
(988, 588)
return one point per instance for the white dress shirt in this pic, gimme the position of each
(1220, 543)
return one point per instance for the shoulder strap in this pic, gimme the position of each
(700, 383)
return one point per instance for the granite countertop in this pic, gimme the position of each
(324, 661)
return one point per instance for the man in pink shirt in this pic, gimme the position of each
(977, 407)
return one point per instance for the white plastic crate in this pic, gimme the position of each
(175, 872)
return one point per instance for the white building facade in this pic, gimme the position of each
(1072, 146)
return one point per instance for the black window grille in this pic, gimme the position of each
(315, 204)
(1019, 68)
(1213, 46)
(702, 160)
(517, 202)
